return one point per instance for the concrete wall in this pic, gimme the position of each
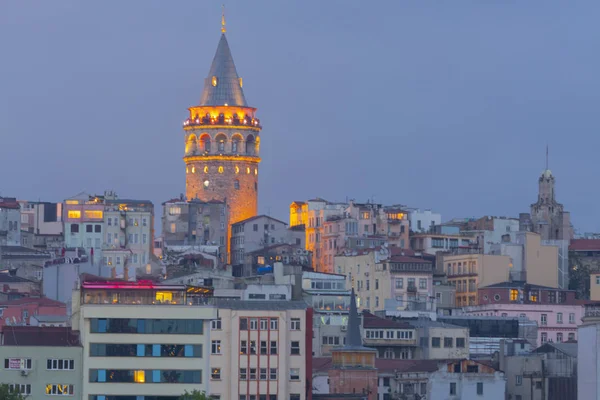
(39, 376)
(427, 220)
(447, 353)
(588, 362)
(10, 222)
(541, 262)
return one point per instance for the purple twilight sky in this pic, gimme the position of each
(443, 105)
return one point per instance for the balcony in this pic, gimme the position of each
(389, 342)
(411, 288)
(221, 120)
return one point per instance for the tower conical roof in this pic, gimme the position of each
(353, 338)
(223, 86)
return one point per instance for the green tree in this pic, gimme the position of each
(5, 394)
(195, 395)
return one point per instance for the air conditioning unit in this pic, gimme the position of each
(344, 328)
(24, 373)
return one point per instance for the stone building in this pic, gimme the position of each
(547, 216)
(222, 141)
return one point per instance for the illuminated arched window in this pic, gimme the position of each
(220, 170)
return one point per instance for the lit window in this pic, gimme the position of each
(164, 297)
(220, 170)
(193, 170)
(255, 171)
(206, 169)
(514, 295)
(237, 169)
(215, 374)
(247, 170)
(214, 81)
(139, 376)
(74, 214)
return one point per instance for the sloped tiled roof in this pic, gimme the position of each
(41, 301)
(40, 336)
(373, 321)
(585, 245)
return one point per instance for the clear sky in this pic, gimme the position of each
(442, 105)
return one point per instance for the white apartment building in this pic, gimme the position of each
(143, 340)
(260, 350)
(10, 222)
(423, 221)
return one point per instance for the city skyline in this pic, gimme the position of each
(371, 105)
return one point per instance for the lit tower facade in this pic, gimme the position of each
(222, 141)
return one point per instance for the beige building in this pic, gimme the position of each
(595, 286)
(261, 349)
(469, 272)
(143, 339)
(441, 341)
(41, 362)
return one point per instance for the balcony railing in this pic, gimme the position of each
(222, 120)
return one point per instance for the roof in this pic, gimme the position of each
(40, 336)
(40, 301)
(244, 221)
(584, 245)
(405, 259)
(227, 89)
(568, 348)
(426, 323)
(9, 202)
(353, 336)
(51, 318)
(275, 246)
(373, 321)
(7, 278)
(322, 364)
(260, 304)
(518, 285)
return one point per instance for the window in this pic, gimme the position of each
(17, 363)
(274, 324)
(243, 374)
(294, 374)
(273, 374)
(263, 347)
(571, 336)
(295, 350)
(60, 390)
(215, 374)
(273, 347)
(448, 342)
(253, 324)
(236, 184)
(56, 364)
(376, 284)
(544, 319)
(295, 324)
(452, 389)
(480, 388)
(74, 228)
(215, 347)
(544, 337)
(294, 397)
(435, 342)
(215, 324)
(559, 337)
(559, 319)
(262, 374)
(89, 228)
(399, 283)
(144, 350)
(460, 342)
(422, 283)
(255, 227)
(518, 380)
(253, 347)
(571, 318)
(98, 228)
(252, 376)
(264, 324)
(243, 324)
(514, 295)
(376, 301)
(17, 388)
(244, 347)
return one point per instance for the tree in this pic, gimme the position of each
(195, 395)
(5, 394)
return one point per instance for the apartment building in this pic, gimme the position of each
(261, 350)
(10, 222)
(556, 312)
(143, 339)
(470, 271)
(40, 362)
(391, 338)
(431, 243)
(333, 227)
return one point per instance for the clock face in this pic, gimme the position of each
(214, 81)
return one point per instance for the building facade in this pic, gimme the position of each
(423, 221)
(10, 222)
(142, 339)
(432, 243)
(261, 350)
(42, 362)
(222, 141)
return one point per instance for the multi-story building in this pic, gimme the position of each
(391, 338)
(41, 217)
(260, 232)
(584, 258)
(556, 311)
(15, 287)
(42, 362)
(588, 354)
(547, 216)
(142, 339)
(222, 141)
(440, 340)
(467, 380)
(333, 227)
(423, 221)
(470, 271)
(330, 301)
(488, 231)
(196, 223)
(83, 220)
(261, 350)
(10, 222)
(431, 243)
(532, 260)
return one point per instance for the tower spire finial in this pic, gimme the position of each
(546, 156)
(223, 30)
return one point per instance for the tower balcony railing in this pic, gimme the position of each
(222, 120)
